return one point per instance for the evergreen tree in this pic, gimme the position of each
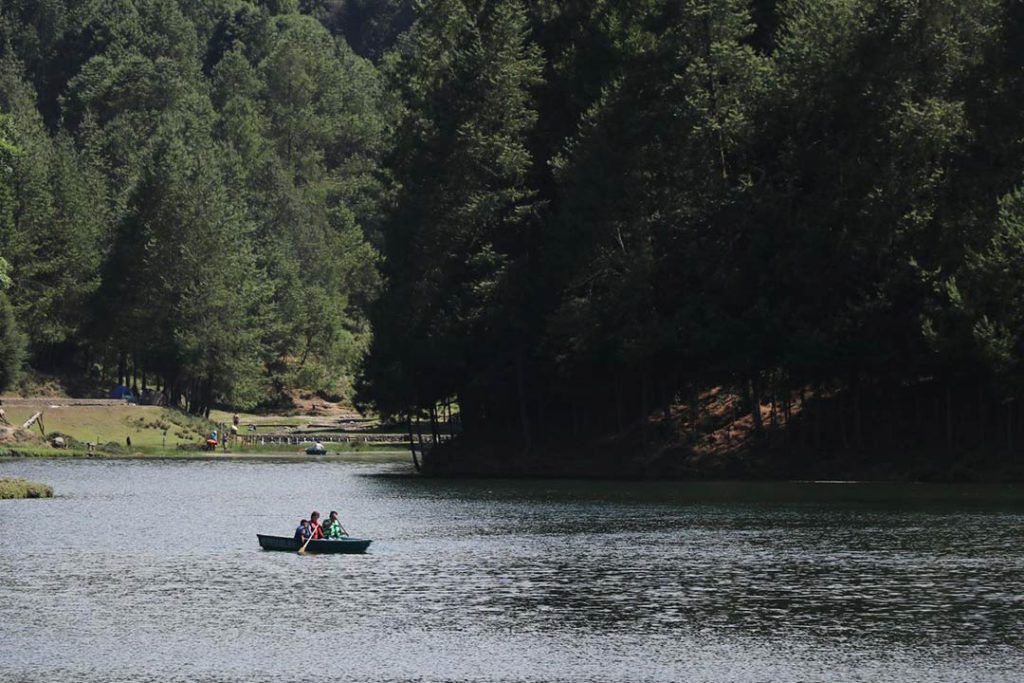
(12, 342)
(459, 237)
(186, 270)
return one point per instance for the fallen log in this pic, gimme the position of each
(35, 419)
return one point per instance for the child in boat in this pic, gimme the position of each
(302, 531)
(333, 528)
(314, 525)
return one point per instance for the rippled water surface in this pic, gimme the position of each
(150, 571)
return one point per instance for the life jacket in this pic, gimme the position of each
(318, 532)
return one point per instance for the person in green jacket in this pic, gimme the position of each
(333, 527)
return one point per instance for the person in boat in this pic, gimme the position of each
(333, 528)
(302, 531)
(314, 525)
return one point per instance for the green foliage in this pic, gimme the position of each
(192, 195)
(569, 212)
(371, 27)
(11, 488)
(714, 192)
(455, 241)
(186, 251)
(12, 342)
(12, 345)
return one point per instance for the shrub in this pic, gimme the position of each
(22, 488)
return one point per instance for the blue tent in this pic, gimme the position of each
(122, 391)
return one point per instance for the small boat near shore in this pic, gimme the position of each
(323, 547)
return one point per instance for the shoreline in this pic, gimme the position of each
(625, 458)
(357, 456)
(572, 469)
(675, 463)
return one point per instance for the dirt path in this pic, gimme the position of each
(56, 402)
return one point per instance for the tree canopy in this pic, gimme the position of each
(550, 213)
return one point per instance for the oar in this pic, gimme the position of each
(302, 550)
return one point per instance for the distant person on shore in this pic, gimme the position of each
(333, 527)
(3, 414)
(314, 525)
(302, 531)
(128, 441)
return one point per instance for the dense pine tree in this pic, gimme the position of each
(564, 217)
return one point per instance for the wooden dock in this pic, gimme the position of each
(299, 439)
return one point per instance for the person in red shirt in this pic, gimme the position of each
(314, 525)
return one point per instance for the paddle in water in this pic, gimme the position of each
(302, 550)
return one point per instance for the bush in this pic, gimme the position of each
(22, 488)
(12, 345)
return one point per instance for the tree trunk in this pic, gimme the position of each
(618, 404)
(644, 406)
(981, 416)
(858, 422)
(842, 422)
(433, 423)
(667, 394)
(451, 424)
(804, 416)
(695, 410)
(755, 403)
(1009, 426)
(524, 413)
(412, 444)
(542, 424)
(917, 409)
(949, 420)
(818, 417)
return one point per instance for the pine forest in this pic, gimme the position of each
(557, 229)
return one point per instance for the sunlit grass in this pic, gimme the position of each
(22, 488)
(223, 416)
(150, 427)
(160, 432)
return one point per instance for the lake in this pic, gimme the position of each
(150, 571)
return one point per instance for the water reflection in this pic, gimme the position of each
(152, 572)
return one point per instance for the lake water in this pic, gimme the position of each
(150, 571)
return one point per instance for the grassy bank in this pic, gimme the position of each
(159, 432)
(147, 426)
(259, 453)
(22, 488)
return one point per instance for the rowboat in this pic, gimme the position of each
(325, 546)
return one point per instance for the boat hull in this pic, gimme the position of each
(346, 546)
